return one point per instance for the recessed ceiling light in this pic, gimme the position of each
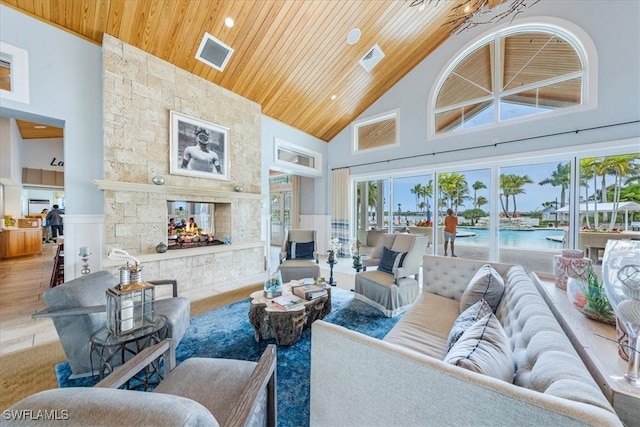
(333, 97)
(354, 36)
(39, 127)
(228, 21)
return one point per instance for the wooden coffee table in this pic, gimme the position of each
(271, 321)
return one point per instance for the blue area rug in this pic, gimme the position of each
(227, 333)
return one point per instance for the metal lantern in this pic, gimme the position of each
(130, 306)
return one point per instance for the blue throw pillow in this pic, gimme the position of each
(300, 250)
(390, 260)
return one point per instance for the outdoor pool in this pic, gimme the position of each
(516, 238)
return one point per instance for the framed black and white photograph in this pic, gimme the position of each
(198, 148)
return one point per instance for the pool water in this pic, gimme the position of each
(515, 238)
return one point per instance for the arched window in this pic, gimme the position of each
(519, 71)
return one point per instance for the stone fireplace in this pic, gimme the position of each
(140, 90)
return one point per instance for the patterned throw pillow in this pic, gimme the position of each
(299, 250)
(484, 348)
(466, 319)
(486, 284)
(391, 260)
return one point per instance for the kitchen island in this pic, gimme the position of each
(15, 242)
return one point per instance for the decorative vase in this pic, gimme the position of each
(161, 248)
(623, 340)
(331, 258)
(575, 292)
(273, 285)
(621, 273)
(565, 266)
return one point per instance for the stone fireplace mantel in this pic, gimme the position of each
(218, 195)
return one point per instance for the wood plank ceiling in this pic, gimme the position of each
(290, 56)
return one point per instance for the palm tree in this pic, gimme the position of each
(561, 177)
(518, 183)
(478, 185)
(481, 201)
(505, 187)
(454, 189)
(426, 192)
(622, 166)
(586, 173)
(511, 185)
(417, 191)
(372, 201)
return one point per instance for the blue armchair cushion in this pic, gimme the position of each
(300, 250)
(391, 260)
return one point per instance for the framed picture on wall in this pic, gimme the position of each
(198, 148)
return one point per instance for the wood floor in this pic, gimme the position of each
(22, 282)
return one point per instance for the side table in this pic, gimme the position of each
(113, 350)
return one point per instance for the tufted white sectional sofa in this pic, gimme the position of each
(403, 380)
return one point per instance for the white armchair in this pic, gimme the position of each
(299, 255)
(198, 392)
(394, 285)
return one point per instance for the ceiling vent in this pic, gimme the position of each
(371, 58)
(213, 52)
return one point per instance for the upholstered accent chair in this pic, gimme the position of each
(299, 255)
(393, 286)
(198, 392)
(78, 310)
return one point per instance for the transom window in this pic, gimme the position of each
(511, 74)
(376, 132)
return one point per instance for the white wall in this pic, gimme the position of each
(10, 158)
(39, 153)
(613, 28)
(65, 86)
(314, 191)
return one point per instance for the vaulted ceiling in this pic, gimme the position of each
(291, 57)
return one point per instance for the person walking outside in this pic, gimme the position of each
(450, 226)
(54, 217)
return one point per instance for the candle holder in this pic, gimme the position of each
(84, 256)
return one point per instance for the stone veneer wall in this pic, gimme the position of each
(139, 92)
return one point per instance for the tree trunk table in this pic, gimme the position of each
(286, 326)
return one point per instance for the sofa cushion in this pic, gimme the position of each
(484, 348)
(486, 283)
(466, 319)
(391, 260)
(424, 327)
(300, 250)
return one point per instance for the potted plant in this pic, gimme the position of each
(589, 297)
(355, 254)
(335, 247)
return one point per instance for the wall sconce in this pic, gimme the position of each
(239, 189)
(84, 256)
(158, 180)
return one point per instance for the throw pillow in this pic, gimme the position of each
(486, 284)
(391, 260)
(484, 348)
(466, 319)
(299, 250)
